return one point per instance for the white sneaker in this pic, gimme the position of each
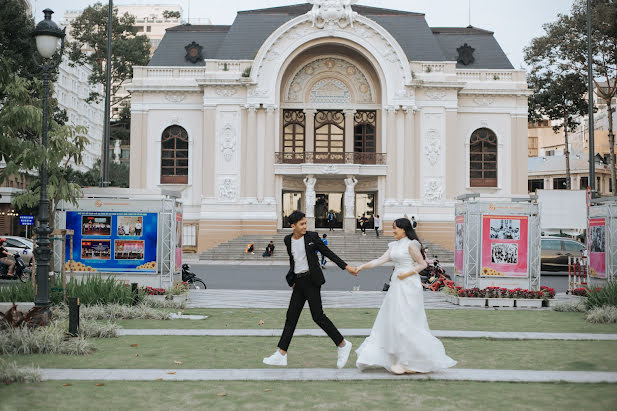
(343, 354)
(277, 359)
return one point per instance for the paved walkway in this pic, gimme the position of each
(364, 332)
(323, 374)
(224, 298)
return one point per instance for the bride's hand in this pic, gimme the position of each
(402, 276)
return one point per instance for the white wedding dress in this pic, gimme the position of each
(400, 334)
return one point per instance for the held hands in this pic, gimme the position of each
(352, 270)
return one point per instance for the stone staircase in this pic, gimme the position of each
(350, 247)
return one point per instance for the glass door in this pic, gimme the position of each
(291, 201)
(325, 204)
(365, 207)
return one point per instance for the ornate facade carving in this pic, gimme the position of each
(350, 196)
(327, 13)
(227, 189)
(433, 189)
(174, 97)
(310, 196)
(225, 91)
(331, 65)
(228, 141)
(483, 101)
(432, 146)
(435, 94)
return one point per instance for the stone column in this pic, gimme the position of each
(391, 153)
(410, 178)
(251, 148)
(349, 129)
(138, 149)
(400, 154)
(309, 201)
(309, 132)
(261, 132)
(270, 149)
(349, 224)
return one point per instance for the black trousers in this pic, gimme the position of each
(305, 290)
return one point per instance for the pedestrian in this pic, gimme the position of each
(363, 224)
(6, 257)
(250, 248)
(377, 224)
(306, 278)
(323, 257)
(331, 218)
(269, 250)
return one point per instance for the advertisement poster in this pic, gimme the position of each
(178, 242)
(504, 246)
(112, 242)
(459, 229)
(597, 247)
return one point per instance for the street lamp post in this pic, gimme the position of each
(48, 37)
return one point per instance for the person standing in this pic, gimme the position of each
(331, 220)
(377, 224)
(363, 224)
(323, 257)
(138, 228)
(306, 278)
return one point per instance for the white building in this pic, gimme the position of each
(359, 111)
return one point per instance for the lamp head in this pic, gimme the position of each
(47, 35)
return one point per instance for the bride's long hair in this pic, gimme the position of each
(405, 224)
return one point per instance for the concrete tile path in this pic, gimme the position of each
(364, 332)
(322, 374)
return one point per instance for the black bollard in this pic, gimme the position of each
(73, 316)
(135, 293)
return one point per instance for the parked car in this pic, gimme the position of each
(20, 245)
(556, 250)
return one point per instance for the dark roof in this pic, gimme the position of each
(243, 39)
(487, 54)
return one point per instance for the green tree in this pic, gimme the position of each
(168, 14)
(558, 97)
(564, 45)
(89, 32)
(20, 119)
(118, 175)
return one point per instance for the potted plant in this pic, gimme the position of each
(529, 299)
(499, 297)
(549, 296)
(451, 294)
(155, 293)
(472, 297)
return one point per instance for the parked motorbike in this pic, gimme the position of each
(21, 271)
(191, 278)
(434, 277)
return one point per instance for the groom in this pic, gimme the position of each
(306, 278)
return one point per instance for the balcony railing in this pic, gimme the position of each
(329, 158)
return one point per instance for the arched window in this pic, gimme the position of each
(483, 158)
(175, 156)
(329, 137)
(293, 136)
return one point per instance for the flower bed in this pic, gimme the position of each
(498, 296)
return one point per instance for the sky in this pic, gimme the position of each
(514, 22)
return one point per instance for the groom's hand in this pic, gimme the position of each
(352, 270)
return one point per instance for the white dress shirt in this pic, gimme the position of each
(298, 251)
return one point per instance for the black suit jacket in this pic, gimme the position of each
(312, 243)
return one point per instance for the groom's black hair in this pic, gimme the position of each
(295, 217)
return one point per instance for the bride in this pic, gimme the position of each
(400, 340)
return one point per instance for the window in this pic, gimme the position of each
(572, 246)
(329, 137)
(559, 184)
(148, 29)
(551, 245)
(293, 131)
(189, 235)
(483, 158)
(535, 184)
(584, 183)
(174, 156)
(364, 140)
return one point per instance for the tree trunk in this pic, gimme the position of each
(567, 154)
(611, 143)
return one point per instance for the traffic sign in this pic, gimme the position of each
(26, 220)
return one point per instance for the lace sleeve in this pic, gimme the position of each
(418, 261)
(377, 262)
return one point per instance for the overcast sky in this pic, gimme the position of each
(515, 22)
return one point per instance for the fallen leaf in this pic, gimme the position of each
(171, 372)
(268, 389)
(160, 379)
(221, 394)
(99, 384)
(177, 362)
(134, 345)
(261, 322)
(67, 385)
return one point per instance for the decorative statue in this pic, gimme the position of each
(350, 196)
(309, 204)
(330, 12)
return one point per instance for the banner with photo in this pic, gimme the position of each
(459, 229)
(504, 246)
(597, 247)
(112, 242)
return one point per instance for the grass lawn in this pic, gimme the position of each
(352, 395)
(472, 320)
(307, 352)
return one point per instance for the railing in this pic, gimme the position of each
(329, 158)
(491, 75)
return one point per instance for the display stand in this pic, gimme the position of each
(497, 242)
(602, 241)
